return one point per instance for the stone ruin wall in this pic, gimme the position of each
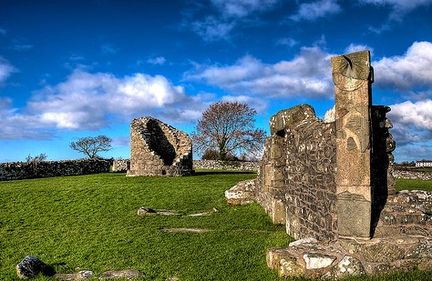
(332, 184)
(158, 149)
(120, 165)
(226, 165)
(123, 165)
(301, 178)
(43, 169)
(411, 174)
(296, 182)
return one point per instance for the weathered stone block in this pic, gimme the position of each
(348, 266)
(290, 268)
(352, 209)
(317, 261)
(241, 194)
(278, 213)
(352, 78)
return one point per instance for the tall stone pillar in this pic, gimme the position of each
(352, 76)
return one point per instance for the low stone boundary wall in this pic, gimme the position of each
(24, 170)
(412, 174)
(226, 165)
(122, 165)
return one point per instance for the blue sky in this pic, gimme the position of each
(70, 69)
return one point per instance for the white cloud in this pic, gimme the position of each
(5, 103)
(418, 114)
(229, 13)
(242, 8)
(14, 125)
(108, 49)
(22, 47)
(121, 141)
(287, 41)
(85, 99)
(330, 115)
(6, 69)
(358, 47)
(211, 28)
(157, 60)
(399, 7)
(412, 121)
(413, 152)
(90, 101)
(417, 95)
(258, 104)
(413, 69)
(306, 75)
(412, 129)
(75, 57)
(380, 29)
(314, 10)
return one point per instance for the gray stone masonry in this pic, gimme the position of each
(43, 169)
(121, 165)
(226, 165)
(158, 149)
(332, 183)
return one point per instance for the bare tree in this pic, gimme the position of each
(91, 146)
(228, 128)
(38, 158)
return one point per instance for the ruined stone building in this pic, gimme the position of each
(332, 182)
(158, 149)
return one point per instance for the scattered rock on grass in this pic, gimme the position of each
(163, 212)
(31, 266)
(203, 214)
(186, 230)
(81, 275)
(241, 193)
(126, 274)
(144, 211)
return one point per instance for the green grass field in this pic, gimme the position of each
(402, 184)
(90, 222)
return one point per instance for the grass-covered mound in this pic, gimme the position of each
(90, 222)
